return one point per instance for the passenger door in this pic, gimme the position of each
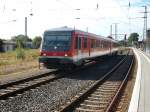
(78, 46)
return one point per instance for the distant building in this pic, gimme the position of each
(141, 45)
(29, 45)
(9, 45)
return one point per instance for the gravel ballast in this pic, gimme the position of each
(47, 98)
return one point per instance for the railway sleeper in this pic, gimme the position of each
(25, 84)
(100, 99)
(87, 110)
(95, 102)
(108, 88)
(94, 98)
(102, 93)
(107, 91)
(93, 107)
(20, 86)
(13, 88)
(100, 96)
(110, 84)
(2, 93)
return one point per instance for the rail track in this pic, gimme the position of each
(102, 95)
(19, 86)
(16, 87)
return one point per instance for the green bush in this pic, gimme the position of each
(20, 54)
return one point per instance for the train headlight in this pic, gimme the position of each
(66, 54)
(44, 54)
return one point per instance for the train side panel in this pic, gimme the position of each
(83, 46)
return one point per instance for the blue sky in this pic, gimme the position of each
(57, 13)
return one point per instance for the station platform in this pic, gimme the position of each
(144, 91)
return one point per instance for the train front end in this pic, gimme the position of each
(56, 49)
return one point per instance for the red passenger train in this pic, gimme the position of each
(67, 47)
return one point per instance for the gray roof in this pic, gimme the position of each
(13, 42)
(9, 42)
(64, 28)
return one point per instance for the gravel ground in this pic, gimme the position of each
(22, 75)
(50, 96)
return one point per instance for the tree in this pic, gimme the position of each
(36, 42)
(110, 37)
(133, 38)
(20, 54)
(22, 39)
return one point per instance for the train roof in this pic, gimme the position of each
(65, 28)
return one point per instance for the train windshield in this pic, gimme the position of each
(57, 41)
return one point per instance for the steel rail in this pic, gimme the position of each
(23, 86)
(121, 87)
(2, 86)
(19, 86)
(90, 90)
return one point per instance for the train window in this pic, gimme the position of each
(92, 43)
(85, 42)
(77, 43)
(106, 44)
(56, 41)
(102, 44)
(97, 43)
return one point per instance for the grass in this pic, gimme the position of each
(9, 60)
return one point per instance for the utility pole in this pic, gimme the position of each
(145, 23)
(87, 29)
(116, 31)
(145, 28)
(111, 30)
(26, 26)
